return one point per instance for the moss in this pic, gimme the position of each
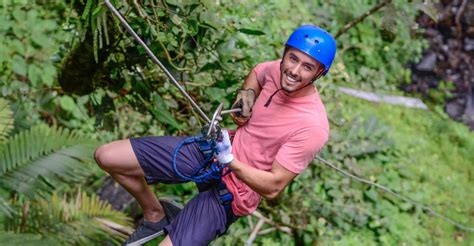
(80, 72)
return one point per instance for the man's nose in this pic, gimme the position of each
(294, 70)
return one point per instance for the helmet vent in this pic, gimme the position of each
(306, 36)
(316, 41)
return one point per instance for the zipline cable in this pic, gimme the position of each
(388, 190)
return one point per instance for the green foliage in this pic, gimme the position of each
(25, 47)
(362, 137)
(26, 239)
(5, 208)
(442, 93)
(6, 119)
(42, 159)
(376, 50)
(210, 47)
(74, 219)
(34, 166)
(29, 39)
(418, 164)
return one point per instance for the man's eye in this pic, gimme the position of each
(292, 58)
(308, 68)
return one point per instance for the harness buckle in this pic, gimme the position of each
(206, 148)
(225, 196)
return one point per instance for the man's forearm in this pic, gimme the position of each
(251, 82)
(264, 183)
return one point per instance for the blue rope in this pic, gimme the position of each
(208, 172)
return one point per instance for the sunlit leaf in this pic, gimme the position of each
(67, 103)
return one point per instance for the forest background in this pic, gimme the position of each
(71, 79)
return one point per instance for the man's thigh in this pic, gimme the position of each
(155, 156)
(202, 220)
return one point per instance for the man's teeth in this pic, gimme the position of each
(290, 79)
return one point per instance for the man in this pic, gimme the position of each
(278, 136)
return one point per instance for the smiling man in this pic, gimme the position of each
(281, 131)
(282, 126)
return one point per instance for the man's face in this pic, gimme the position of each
(298, 70)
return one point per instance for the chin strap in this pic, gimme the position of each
(274, 93)
(271, 97)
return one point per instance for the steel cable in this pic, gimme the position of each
(388, 190)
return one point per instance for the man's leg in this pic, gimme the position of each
(119, 160)
(201, 221)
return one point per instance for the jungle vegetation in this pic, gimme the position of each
(71, 78)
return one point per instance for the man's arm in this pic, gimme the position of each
(250, 82)
(266, 183)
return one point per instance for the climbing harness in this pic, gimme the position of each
(209, 169)
(210, 172)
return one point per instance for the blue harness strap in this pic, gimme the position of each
(209, 174)
(206, 147)
(226, 198)
(209, 169)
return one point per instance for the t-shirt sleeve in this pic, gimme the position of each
(261, 70)
(301, 148)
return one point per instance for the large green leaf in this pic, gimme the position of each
(41, 158)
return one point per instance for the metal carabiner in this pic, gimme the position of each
(213, 131)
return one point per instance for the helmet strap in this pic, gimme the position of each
(274, 93)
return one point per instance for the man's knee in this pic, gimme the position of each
(103, 155)
(118, 157)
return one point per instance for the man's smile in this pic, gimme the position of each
(290, 80)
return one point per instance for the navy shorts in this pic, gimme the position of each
(203, 218)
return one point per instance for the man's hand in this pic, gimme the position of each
(224, 149)
(245, 101)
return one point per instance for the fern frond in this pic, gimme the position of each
(42, 157)
(5, 208)
(77, 219)
(6, 120)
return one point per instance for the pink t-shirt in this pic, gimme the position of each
(290, 130)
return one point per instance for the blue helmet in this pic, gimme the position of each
(315, 42)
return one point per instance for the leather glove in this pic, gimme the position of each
(245, 101)
(224, 149)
